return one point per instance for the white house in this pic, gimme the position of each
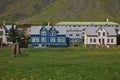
(100, 37)
(3, 34)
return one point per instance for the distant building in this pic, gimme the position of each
(87, 24)
(3, 34)
(100, 37)
(84, 25)
(41, 36)
(54, 35)
(76, 32)
(73, 33)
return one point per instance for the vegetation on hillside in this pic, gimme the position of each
(40, 11)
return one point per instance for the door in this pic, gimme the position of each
(99, 41)
(103, 41)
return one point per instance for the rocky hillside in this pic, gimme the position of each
(42, 11)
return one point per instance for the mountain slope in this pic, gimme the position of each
(41, 11)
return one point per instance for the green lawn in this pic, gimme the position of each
(61, 64)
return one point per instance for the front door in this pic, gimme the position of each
(103, 41)
(99, 41)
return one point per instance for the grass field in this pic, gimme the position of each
(61, 64)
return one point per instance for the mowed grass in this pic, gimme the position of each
(61, 64)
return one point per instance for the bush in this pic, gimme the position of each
(57, 46)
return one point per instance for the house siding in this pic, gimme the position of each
(100, 38)
(46, 38)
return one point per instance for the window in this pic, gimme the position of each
(43, 40)
(52, 33)
(103, 33)
(1, 33)
(61, 39)
(77, 35)
(111, 40)
(98, 33)
(43, 33)
(35, 39)
(70, 34)
(52, 39)
(94, 40)
(90, 40)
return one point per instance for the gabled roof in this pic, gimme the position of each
(87, 23)
(111, 30)
(48, 27)
(63, 30)
(35, 30)
(6, 27)
(93, 30)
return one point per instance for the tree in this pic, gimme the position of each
(14, 37)
(118, 39)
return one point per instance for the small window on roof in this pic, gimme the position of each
(52, 33)
(43, 33)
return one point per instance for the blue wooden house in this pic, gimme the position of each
(41, 36)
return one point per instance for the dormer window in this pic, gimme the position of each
(52, 33)
(43, 33)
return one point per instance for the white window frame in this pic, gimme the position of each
(61, 39)
(94, 40)
(108, 40)
(90, 40)
(103, 33)
(43, 39)
(52, 33)
(43, 33)
(1, 33)
(52, 39)
(35, 39)
(112, 40)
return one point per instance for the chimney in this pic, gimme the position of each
(48, 24)
(4, 23)
(107, 20)
(14, 26)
